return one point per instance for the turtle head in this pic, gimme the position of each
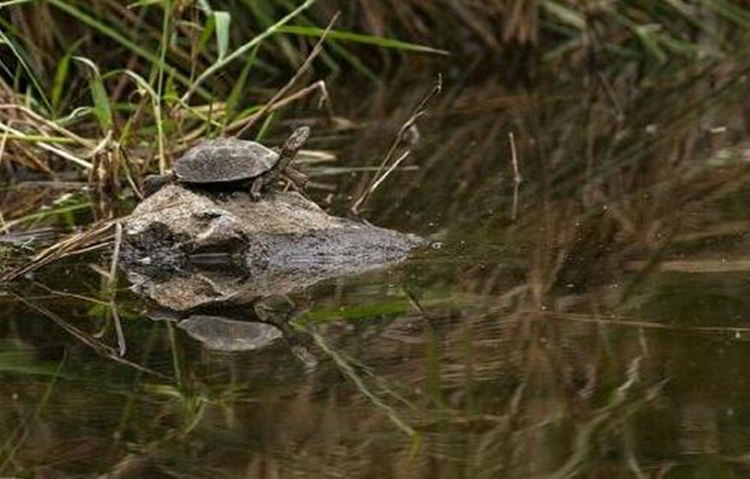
(295, 142)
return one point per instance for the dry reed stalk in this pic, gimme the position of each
(41, 121)
(300, 71)
(87, 339)
(50, 148)
(384, 169)
(319, 85)
(93, 238)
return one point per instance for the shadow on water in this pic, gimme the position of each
(587, 321)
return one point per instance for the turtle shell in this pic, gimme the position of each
(225, 159)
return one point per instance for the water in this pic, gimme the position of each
(589, 322)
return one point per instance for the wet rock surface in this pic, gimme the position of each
(281, 231)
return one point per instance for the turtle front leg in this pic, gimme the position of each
(297, 178)
(255, 187)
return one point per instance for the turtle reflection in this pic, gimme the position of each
(219, 307)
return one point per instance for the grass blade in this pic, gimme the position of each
(61, 75)
(102, 108)
(13, 2)
(244, 48)
(144, 3)
(106, 30)
(27, 68)
(235, 95)
(222, 19)
(156, 105)
(361, 38)
(566, 15)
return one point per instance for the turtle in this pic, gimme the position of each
(234, 162)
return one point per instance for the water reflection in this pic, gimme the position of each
(600, 333)
(223, 308)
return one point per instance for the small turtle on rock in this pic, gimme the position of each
(228, 160)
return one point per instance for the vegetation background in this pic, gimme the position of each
(538, 339)
(111, 89)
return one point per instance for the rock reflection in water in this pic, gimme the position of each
(210, 259)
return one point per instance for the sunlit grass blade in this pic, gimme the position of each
(223, 20)
(565, 14)
(144, 3)
(8, 3)
(102, 108)
(381, 42)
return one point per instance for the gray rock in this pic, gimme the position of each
(184, 247)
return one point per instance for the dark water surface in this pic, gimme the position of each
(591, 322)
